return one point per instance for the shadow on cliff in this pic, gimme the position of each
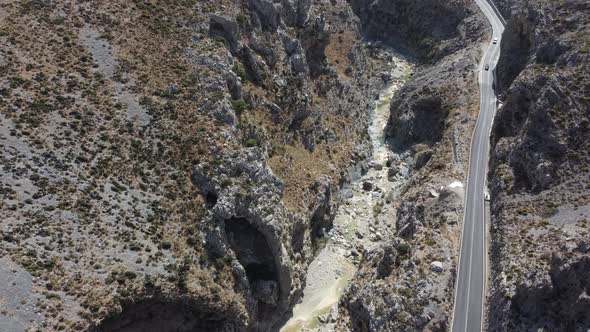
(560, 304)
(157, 315)
(438, 35)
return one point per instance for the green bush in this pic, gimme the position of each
(251, 142)
(239, 70)
(377, 209)
(242, 19)
(403, 249)
(217, 96)
(239, 106)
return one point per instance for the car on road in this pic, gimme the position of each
(495, 41)
(487, 67)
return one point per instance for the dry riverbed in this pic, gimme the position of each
(360, 222)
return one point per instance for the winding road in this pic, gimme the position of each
(472, 272)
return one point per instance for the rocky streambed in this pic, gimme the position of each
(357, 225)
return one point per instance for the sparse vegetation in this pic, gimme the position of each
(251, 142)
(239, 106)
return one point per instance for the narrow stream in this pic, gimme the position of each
(354, 224)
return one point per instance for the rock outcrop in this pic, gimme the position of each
(440, 31)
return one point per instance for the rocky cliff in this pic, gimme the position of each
(427, 29)
(539, 172)
(172, 165)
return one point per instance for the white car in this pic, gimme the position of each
(487, 67)
(495, 41)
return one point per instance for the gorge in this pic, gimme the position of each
(266, 165)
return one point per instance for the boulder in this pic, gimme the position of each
(392, 172)
(409, 218)
(422, 158)
(437, 267)
(417, 119)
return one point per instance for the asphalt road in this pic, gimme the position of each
(472, 271)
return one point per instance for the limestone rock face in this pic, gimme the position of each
(248, 221)
(430, 39)
(267, 12)
(421, 122)
(225, 113)
(295, 12)
(256, 68)
(175, 165)
(420, 110)
(539, 172)
(225, 28)
(409, 217)
(289, 12)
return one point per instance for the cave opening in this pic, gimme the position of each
(155, 315)
(211, 199)
(256, 256)
(320, 224)
(298, 237)
(256, 271)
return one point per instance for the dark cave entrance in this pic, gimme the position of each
(156, 315)
(210, 199)
(256, 271)
(256, 256)
(320, 224)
